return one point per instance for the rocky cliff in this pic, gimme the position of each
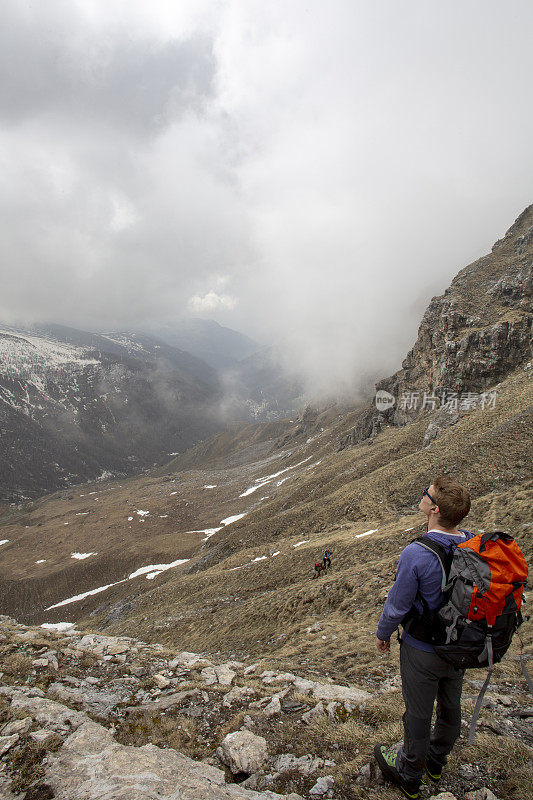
(479, 330)
(470, 338)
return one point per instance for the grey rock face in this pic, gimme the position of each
(243, 751)
(305, 764)
(48, 713)
(92, 766)
(481, 794)
(97, 702)
(221, 674)
(322, 787)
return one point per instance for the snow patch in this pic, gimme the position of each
(253, 489)
(210, 486)
(366, 533)
(142, 513)
(60, 627)
(84, 595)
(155, 569)
(235, 517)
(4, 541)
(81, 556)
(304, 541)
(277, 474)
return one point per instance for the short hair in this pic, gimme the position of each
(452, 499)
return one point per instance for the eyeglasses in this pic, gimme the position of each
(428, 494)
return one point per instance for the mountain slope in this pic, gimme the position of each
(75, 405)
(218, 346)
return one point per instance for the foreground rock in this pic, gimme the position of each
(243, 751)
(111, 718)
(92, 766)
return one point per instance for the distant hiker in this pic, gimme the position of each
(319, 566)
(327, 558)
(417, 591)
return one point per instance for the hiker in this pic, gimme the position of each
(425, 676)
(318, 569)
(327, 558)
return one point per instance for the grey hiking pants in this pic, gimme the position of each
(426, 678)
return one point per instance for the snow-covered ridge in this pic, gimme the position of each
(36, 370)
(24, 352)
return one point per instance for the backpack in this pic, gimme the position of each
(483, 582)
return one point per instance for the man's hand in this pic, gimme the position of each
(383, 646)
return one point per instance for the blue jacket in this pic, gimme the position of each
(419, 572)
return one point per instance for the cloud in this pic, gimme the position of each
(331, 166)
(211, 302)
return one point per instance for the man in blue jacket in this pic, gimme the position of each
(417, 590)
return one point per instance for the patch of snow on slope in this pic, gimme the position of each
(142, 513)
(155, 569)
(84, 595)
(366, 533)
(210, 486)
(81, 556)
(4, 541)
(229, 520)
(277, 474)
(60, 627)
(209, 532)
(304, 541)
(150, 571)
(253, 489)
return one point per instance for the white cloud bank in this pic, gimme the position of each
(337, 164)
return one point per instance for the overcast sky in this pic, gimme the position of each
(308, 173)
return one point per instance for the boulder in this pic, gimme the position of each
(220, 673)
(243, 751)
(97, 702)
(161, 682)
(7, 742)
(236, 695)
(19, 726)
(327, 691)
(322, 787)
(48, 713)
(315, 713)
(92, 766)
(306, 765)
(443, 796)
(273, 708)
(154, 706)
(189, 661)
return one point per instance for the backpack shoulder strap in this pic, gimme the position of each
(443, 555)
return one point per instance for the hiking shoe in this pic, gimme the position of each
(386, 759)
(433, 770)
